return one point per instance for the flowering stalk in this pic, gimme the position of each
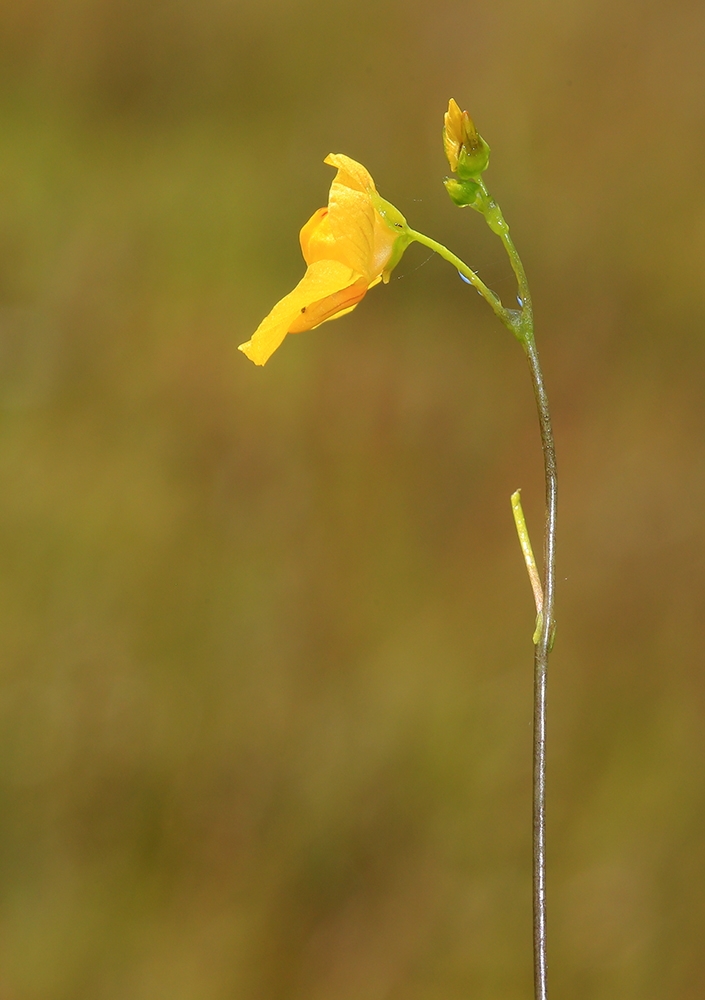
(468, 156)
(349, 247)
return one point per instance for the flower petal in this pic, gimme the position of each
(323, 293)
(452, 133)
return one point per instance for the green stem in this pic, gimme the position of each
(495, 220)
(521, 324)
(525, 333)
(541, 651)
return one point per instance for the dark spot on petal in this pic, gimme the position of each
(303, 309)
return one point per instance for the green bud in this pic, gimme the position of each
(463, 193)
(467, 152)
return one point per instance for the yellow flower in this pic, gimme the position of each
(349, 246)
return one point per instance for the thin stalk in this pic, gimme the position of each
(542, 649)
(495, 220)
(520, 322)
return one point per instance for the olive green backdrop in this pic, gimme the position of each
(266, 633)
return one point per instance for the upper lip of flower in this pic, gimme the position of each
(361, 238)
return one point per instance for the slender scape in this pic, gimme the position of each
(349, 247)
(468, 155)
(520, 322)
(541, 651)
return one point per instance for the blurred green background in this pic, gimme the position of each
(266, 633)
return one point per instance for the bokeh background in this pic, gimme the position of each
(266, 633)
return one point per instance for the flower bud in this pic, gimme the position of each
(463, 193)
(467, 152)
